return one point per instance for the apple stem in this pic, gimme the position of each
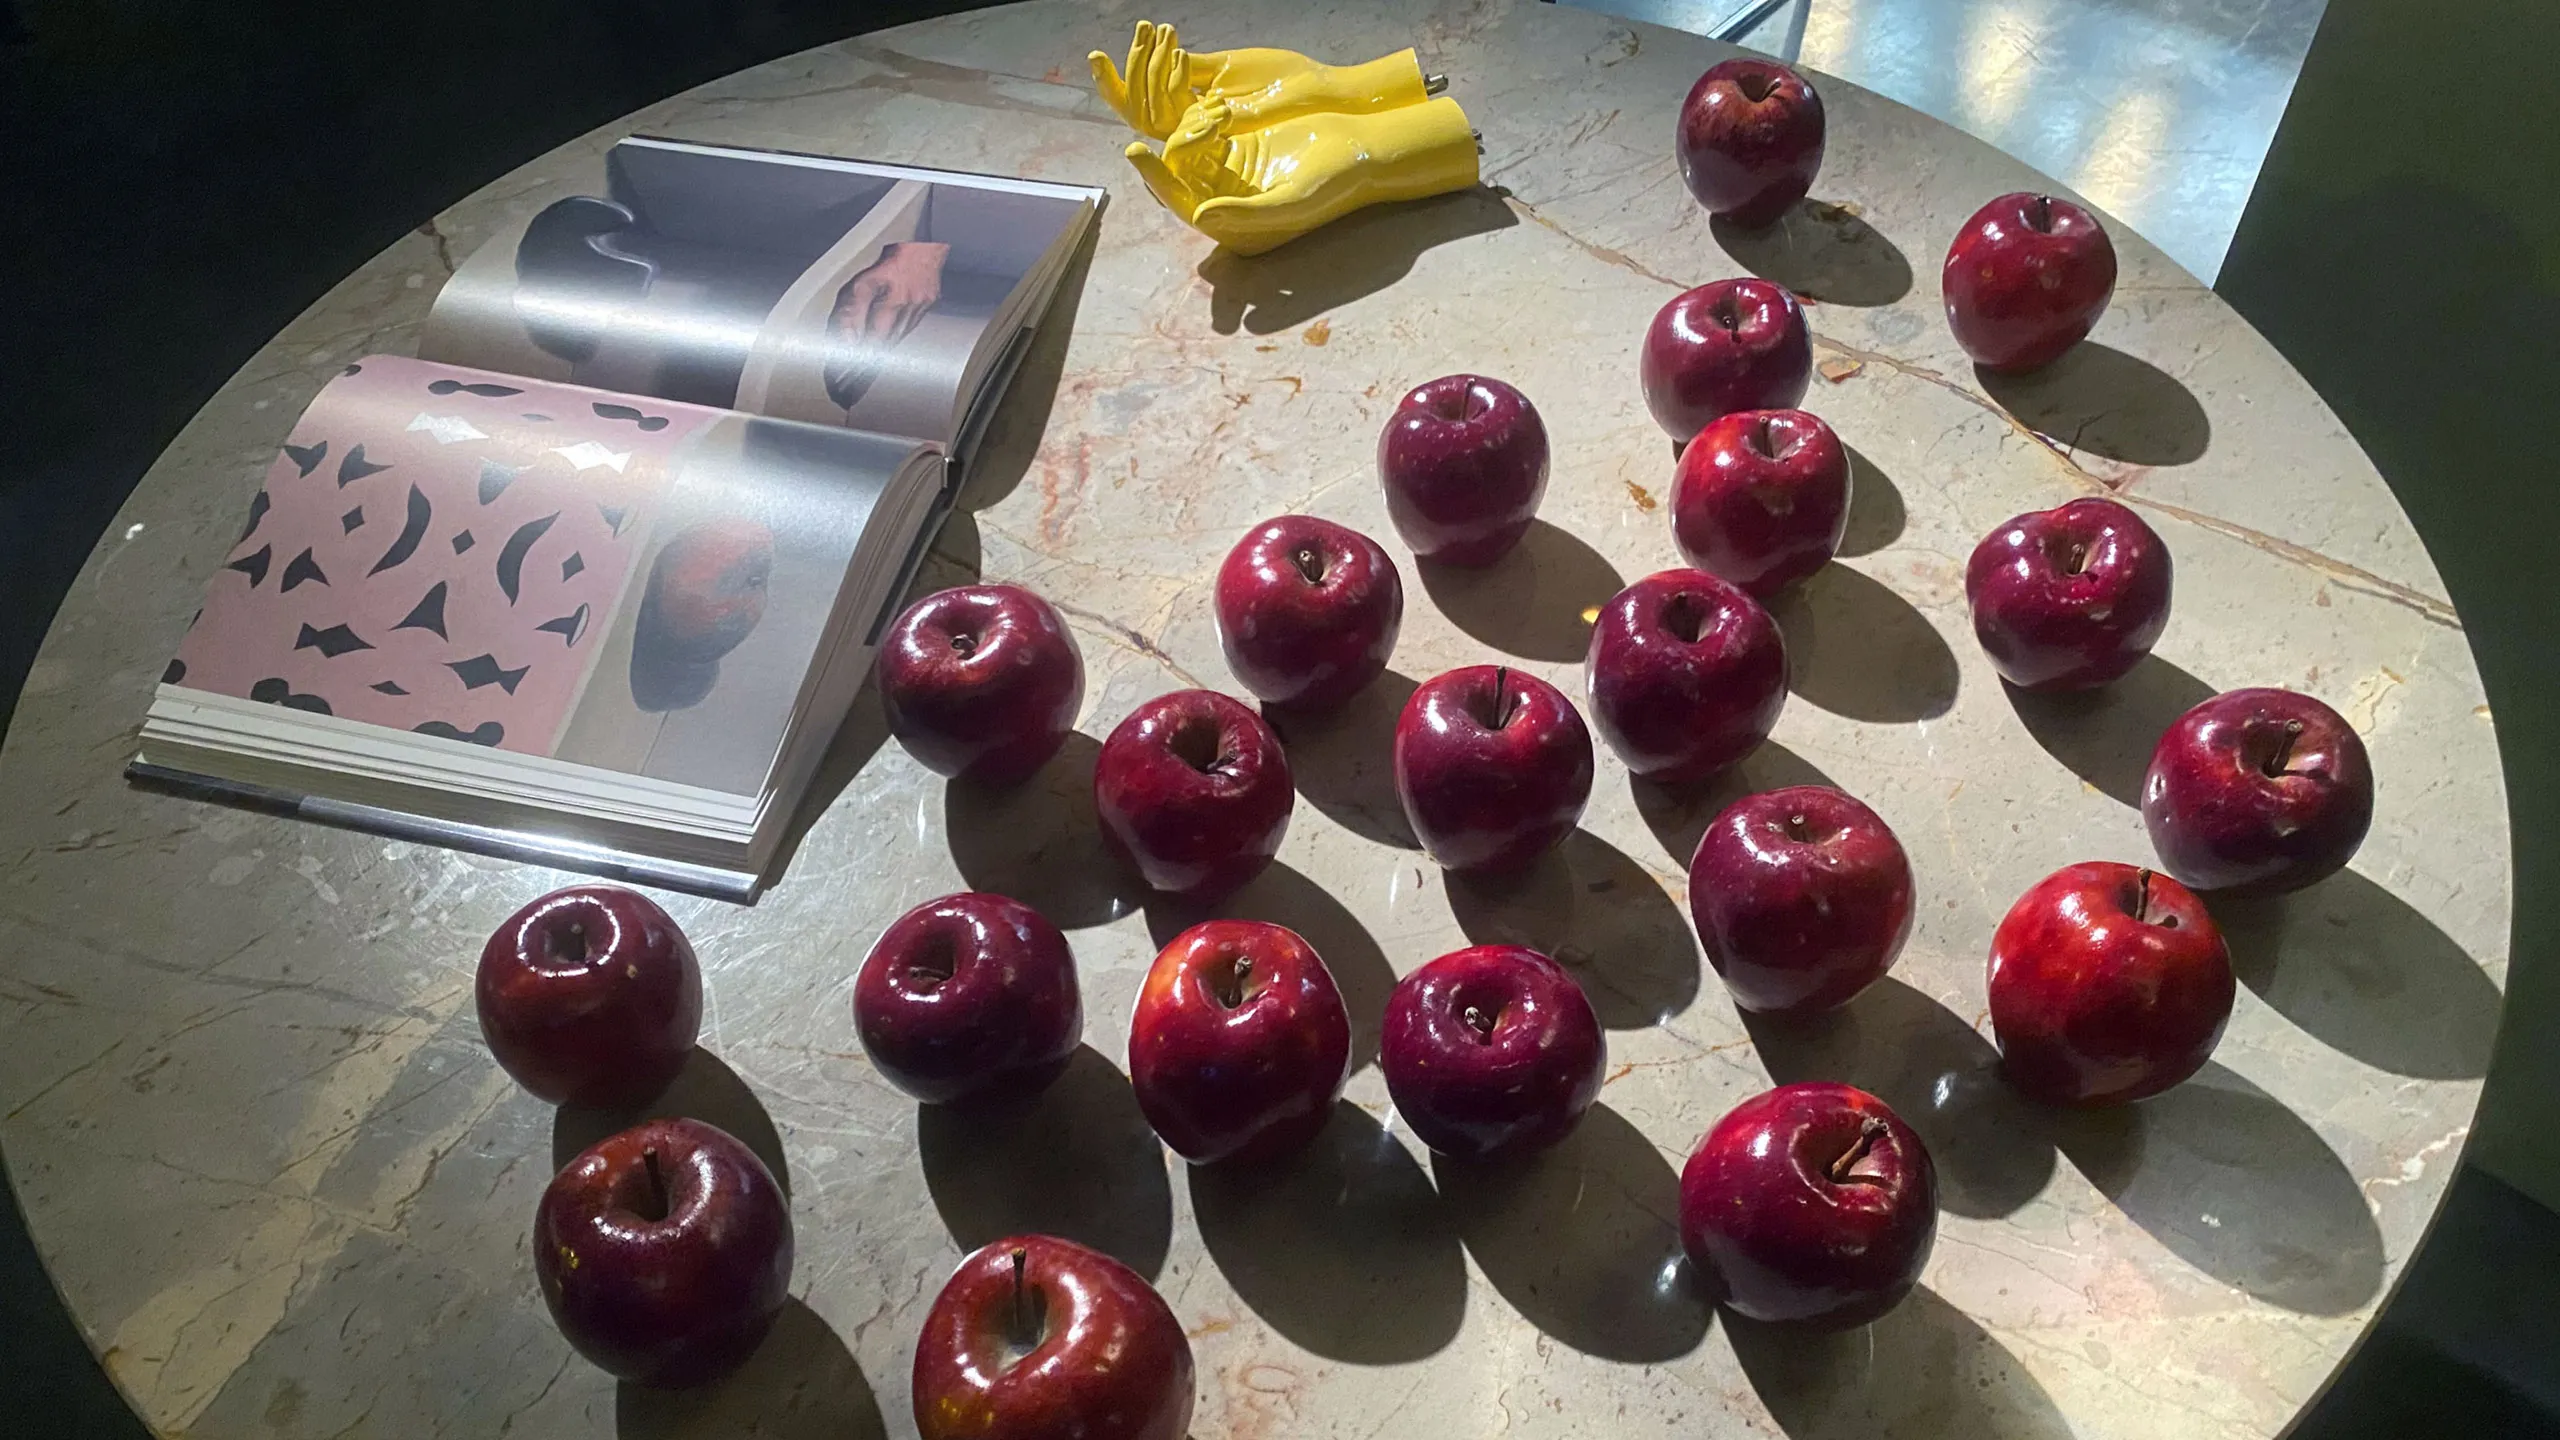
(1309, 563)
(1868, 1130)
(658, 1205)
(1478, 1020)
(965, 645)
(2041, 216)
(1501, 696)
(2079, 560)
(1023, 1339)
(2284, 748)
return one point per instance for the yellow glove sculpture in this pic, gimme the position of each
(1262, 146)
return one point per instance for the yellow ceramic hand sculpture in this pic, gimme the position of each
(1261, 87)
(1253, 191)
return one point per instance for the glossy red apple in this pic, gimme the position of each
(1307, 611)
(2025, 280)
(1802, 897)
(1491, 1050)
(1193, 793)
(2069, 598)
(1727, 345)
(969, 994)
(980, 682)
(2108, 984)
(2259, 791)
(1760, 498)
(1464, 462)
(1493, 766)
(1239, 1044)
(1037, 1336)
(1686, 675)
(664, 1252)
(590, 996)
(1749, 139)
(1811, 1204)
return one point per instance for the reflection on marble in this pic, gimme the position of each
(286, 1194)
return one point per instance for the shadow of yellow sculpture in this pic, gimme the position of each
(1262, 146)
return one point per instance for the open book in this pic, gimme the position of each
(595, 579)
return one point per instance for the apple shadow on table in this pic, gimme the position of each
(1360, 254)
(1821, 251)
(704, 1090)
(1993, 1148)
(2362, 971)
(2099, 399)
(801, 1384)
(1344, 761)
(1600, 915)
(1678, 816)
(1344, 1248)
(1076, 1160)
(1584, 1240)
(2106, 735)
(2237, 1185)
(1876, 513)
(1924, 1369)
(1530, 602)
(1038, 841)
(1862, 652)
(1285, 897)
(1012, 440)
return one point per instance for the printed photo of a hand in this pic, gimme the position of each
(877, 308)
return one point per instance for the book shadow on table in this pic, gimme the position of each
(1925, 1368)
(1822, 251)
(1876, 512)
(1076, 1160)
(2106, 735)
(1283, 896)
(1343, 761)
(1013, 434)
(1360, 254)
(1679, 815)
(1600, 915)
(1036, 841)
(706, 1090)
(800, 1384)
(1584, 1240)
(1531, 602)
(2100, 400)
(1862, 652)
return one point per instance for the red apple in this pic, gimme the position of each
(968, 994)
(1760, 498)
(590, 996)
(2068, 598)
(1240, 1043)
(2108, 984)
(1464, 462)
(1749, 139)
(1037, 1336)
(664, 1252)
(1491, 1050)
(1802, 897)
(1811, 1204)
(2026, 278)
(1686, 675)
(1493, 766)
(2260, 791)
(980, 682)
(1193, 793)
(1307, 611)
(1727, 345)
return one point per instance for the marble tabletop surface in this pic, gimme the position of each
(286, 1193)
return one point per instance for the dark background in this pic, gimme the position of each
(184, 176)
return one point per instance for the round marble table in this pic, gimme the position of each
(286, 1194)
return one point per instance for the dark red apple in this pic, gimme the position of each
(1491, 1050)
(1686, 675)
(1749, 139)
(2260, 791)
(1240, 1043)
(2108, 984)
(1812, 1204)
(1193, 793)
(1802, 897)
(1493, 766)
(664, 1252)
(1037, 1336)
(2025, 280)
(1464, 462)
(969, 994)
(2069, 598)
(1727, 345)
(1760, 498)
(980, 682)
(590, 996)
(1307, 611)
